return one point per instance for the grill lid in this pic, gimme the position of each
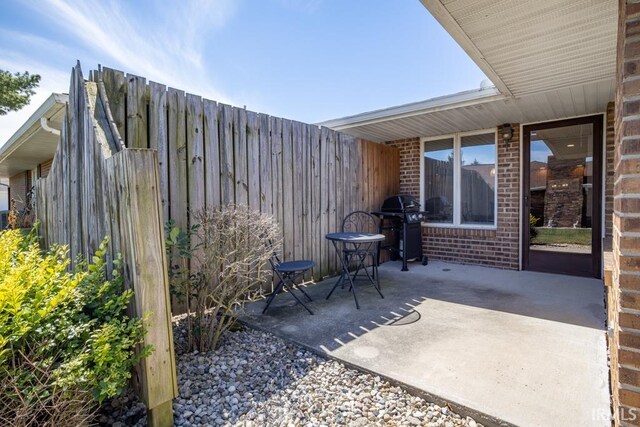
(400, 203)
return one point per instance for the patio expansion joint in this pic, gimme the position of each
(462, 410)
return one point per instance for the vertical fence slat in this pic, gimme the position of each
(136, 112)
(276, 173)
(305, 164)
(195, 155)
(177, 158)
(211, 154)
(287, 191)
(297, 193)
(227, 184)
(316, 211)
(158, 138)
(240, 149)
(266, 186)
(253, 159)
(325, 250)
(331, 190)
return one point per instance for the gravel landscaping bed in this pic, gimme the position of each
(257, 379)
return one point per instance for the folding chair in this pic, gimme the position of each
(287, 273)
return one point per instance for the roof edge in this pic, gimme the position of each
(17, 139)
(446, 102)
(442, 15)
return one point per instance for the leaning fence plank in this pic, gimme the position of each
(158, 138)
(115, 85)
(136, 112)
(211, 154)
(177, 158)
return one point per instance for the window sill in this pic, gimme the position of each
(459, 227)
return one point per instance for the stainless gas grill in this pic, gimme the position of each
(400, 218)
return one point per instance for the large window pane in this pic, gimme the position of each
(438, 180)
(478, 179)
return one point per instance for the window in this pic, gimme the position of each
(438, 180)
(459, 179)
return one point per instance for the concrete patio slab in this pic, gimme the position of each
(523, 347)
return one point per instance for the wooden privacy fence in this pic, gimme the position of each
(211, 154)
(96, 187)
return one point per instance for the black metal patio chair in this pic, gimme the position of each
(288, 273)
(364, 222)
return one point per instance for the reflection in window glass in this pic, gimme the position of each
(438, 180)
(478, 179)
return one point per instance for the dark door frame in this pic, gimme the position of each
(556, 262)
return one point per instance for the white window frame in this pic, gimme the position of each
(457, 173)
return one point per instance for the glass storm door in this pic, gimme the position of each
(562, 164)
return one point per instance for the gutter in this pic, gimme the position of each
(44, 124)
(23, 134)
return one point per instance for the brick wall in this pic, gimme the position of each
(609, 172)
(624, 298)
(496, 248)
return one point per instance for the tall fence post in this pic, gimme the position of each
(138, 187)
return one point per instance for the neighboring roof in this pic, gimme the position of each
(548, 60)
(32, 144)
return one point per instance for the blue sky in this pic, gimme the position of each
(309, 60)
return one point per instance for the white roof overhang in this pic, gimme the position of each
(33, 143)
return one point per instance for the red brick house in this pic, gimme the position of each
(562, 125)
(476, 159)
(28, 154)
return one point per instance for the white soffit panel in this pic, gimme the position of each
(528, 46)
(579, 100)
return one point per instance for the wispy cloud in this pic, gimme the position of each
(162, 41)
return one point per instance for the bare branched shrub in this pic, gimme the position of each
(31, 400)
(231, 247)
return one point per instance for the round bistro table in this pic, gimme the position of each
(355, 245)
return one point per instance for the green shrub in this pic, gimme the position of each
(66, 341)
(533, 231)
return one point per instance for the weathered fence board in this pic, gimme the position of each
(227, 180)
(158, 138)
(96, 188)
(177, 158)
(211, 154)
